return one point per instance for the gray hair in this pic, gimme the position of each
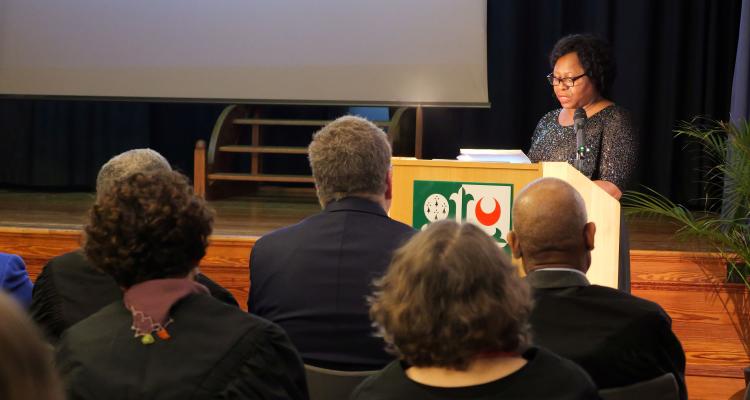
(128, 163)
(350, 156)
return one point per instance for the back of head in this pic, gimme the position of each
(128, 163)
(147, 226)
(549, 217)
(26, 368)
(449, 295)
(349, 157)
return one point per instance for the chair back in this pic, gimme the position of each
(660, 388)
(328, 384)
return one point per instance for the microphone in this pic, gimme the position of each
(579, 121)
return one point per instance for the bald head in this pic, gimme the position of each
(128, 163)
(550, 225)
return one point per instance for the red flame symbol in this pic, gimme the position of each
(487, 219)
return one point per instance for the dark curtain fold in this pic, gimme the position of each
(675, 61)
(62, 144)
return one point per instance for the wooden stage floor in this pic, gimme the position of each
(710, 317)
(248, 216)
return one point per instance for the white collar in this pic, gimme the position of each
(560, 269)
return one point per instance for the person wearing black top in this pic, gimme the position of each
(583, 70)
(69, 288)
(454, 310)
(619, 339)
(167, 338)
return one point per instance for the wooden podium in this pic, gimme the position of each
(409, 173)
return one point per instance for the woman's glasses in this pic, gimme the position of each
(567, 82)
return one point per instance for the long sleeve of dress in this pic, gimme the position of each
(619, 150)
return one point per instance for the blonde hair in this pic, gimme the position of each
(349, 156)
(27, 371)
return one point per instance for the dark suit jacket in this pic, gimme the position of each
(313, 278)
(70, 289)
(215, 351)
(619, 339)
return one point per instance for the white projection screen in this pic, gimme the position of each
(287, 51)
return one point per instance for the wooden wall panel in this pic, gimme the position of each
(226, 261)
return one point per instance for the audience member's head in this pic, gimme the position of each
(450, 295)
(26, 368)
(128, 163)
(351, 157)
(148, 226)
(550, 227)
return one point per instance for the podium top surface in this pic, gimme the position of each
(410, 161)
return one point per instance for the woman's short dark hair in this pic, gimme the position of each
(449, 295)
(595, 55)
(148, 226)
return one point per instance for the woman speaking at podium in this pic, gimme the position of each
(605, 150)
(583, 69)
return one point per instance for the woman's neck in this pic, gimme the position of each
(566, 115)
(481, 370)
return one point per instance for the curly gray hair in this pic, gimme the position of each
(128, 163)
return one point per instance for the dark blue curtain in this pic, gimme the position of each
(740, 107)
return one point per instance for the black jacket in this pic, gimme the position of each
(215, 351)
(313, 278)
(70, 289)
(619, 339)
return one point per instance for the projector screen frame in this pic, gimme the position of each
(354, 103)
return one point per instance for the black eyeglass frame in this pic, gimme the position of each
(572, 79)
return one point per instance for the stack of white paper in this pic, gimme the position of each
(489, 155)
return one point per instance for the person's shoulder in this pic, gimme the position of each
(383, 385)
(401, 227)
(558, 371)
(283, 233)
(551, 116)
(99, 325)
(218, 313)
(616, 113)
(10, 259)
(10, 265)
(625, 301)
(68, 262)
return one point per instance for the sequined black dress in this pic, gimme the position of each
(609, 134)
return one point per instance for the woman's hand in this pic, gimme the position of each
(610, 188)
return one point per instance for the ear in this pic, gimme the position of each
(589, 231)
(515, 247)
(389, 185)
